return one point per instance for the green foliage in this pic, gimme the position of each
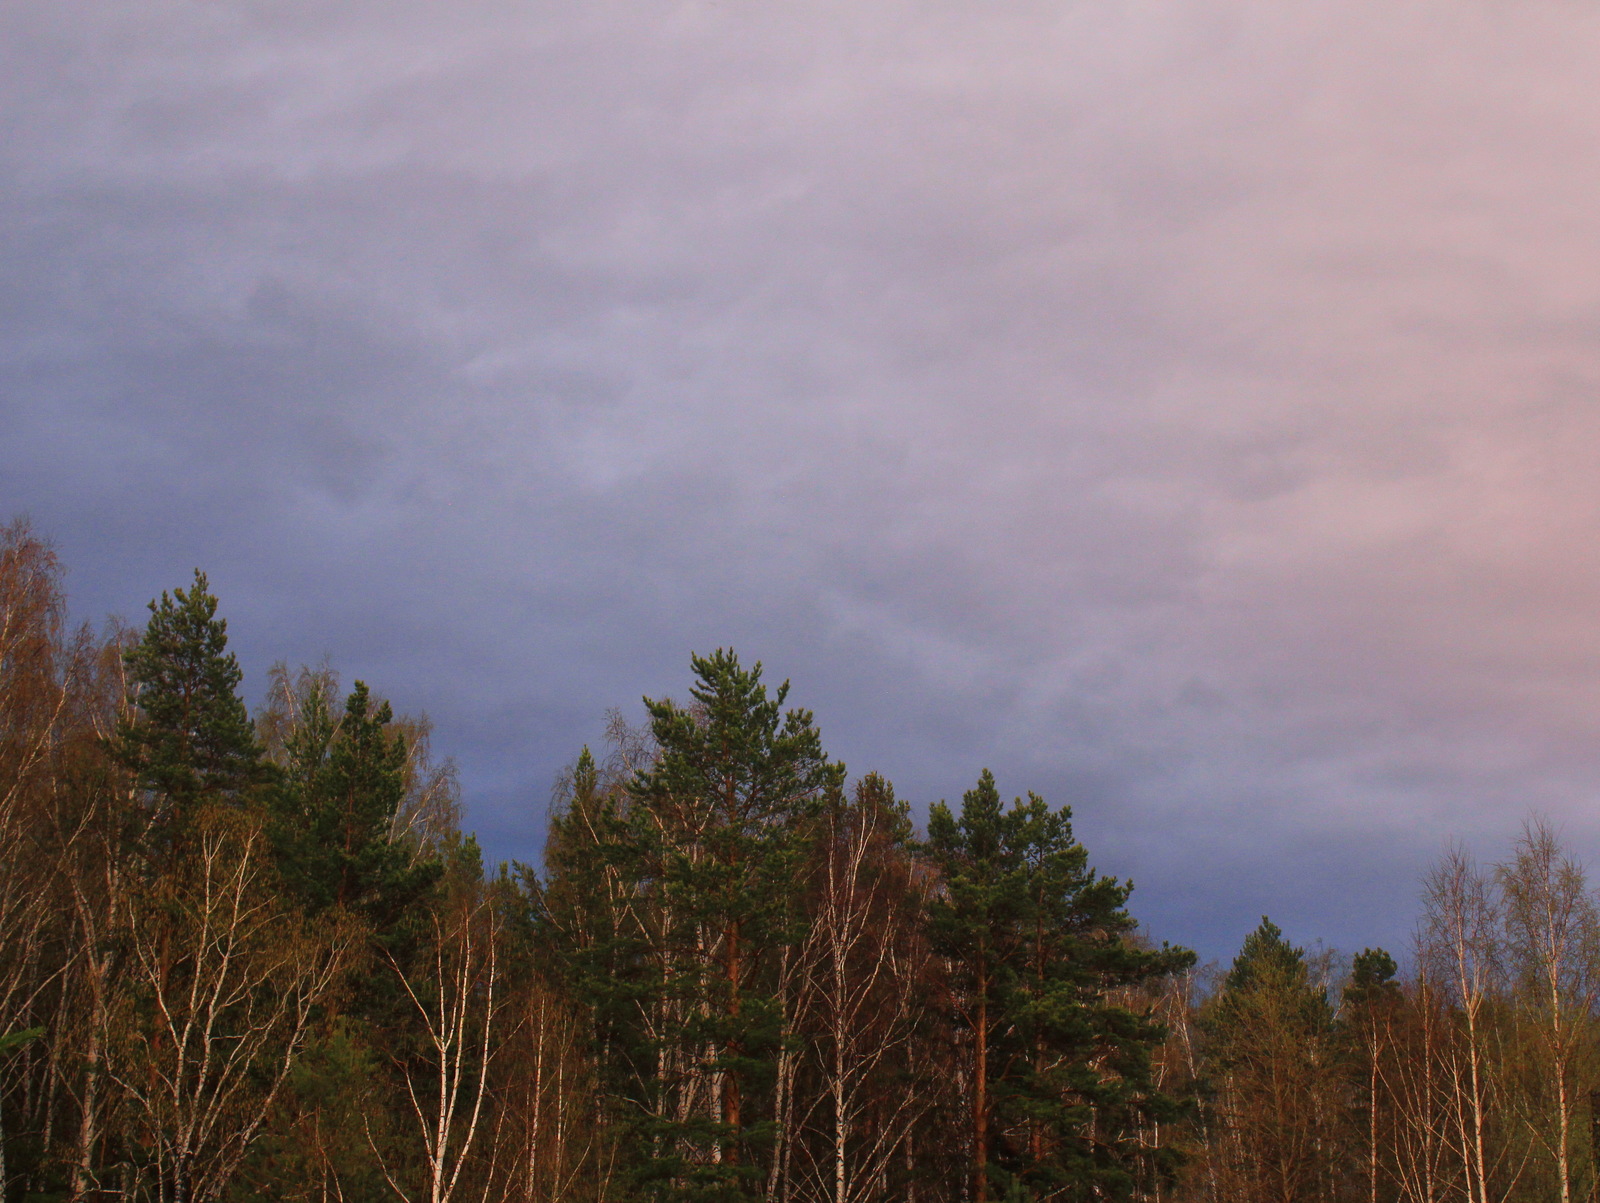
(672, 897)
(721, 821)
(13, 1040)
(586, 929)
(1278, 1064)
(1372, 979)
(1269, 967)
(320, 1142)
(1043, 951)
(1265, 957)
(192, 741)
(335, 807)
(265, 963)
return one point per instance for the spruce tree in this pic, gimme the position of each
(1279, 1072)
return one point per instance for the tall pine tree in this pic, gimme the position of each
(1047, 979)
(342, 786)
(191, 743)
(1280, 1084)
(694, 875)
(736, 780)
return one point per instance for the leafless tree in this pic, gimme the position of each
(1415, 1078)
(1460, 930)
(458, 1002)
(863, 994)
(1553, 937)
(556, 1148)
(222, 984)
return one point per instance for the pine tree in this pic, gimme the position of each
(736, 780)
(1042, 952)
(976, 926)
(677, 899)
(1370, 1014)
(342, 786)
(585, 914)
(191, 743)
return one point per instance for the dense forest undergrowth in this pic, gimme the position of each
(256, 958)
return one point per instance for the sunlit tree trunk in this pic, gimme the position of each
(866, 965)
(1460, 918)
(224, 986)
(1552, 936)
(457, 1001)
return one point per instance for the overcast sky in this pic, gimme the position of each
(1186, 409)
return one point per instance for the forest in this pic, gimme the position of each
(253, 955)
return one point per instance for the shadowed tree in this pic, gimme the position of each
(342, 787)
(191, 741)
(1042, 957)
(1279, 1077)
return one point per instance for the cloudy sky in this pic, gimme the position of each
(1187, 409)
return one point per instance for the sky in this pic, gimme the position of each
(1187, 410)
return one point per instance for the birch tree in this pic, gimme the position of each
(223, 983)
(454, 985)
(1553, 939)
(34, 693)
(865, 993)
(1461, 917)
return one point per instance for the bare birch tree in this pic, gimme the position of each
(1416, 1080)
(556, 1148)
(33, 701)
(1552, 932)
(223, 983)
(457, 1001)
(1461, 916)
(865, 964)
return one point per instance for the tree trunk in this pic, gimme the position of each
(980, 1097)
(730, 1080)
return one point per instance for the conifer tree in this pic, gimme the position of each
(1280, 1074)
(192, 742)
(342, 786)
(674, 902)
(1370, 1016)
(341, 782)
(1041, 950)
(586, 914)
(735, 782)
(976, 926)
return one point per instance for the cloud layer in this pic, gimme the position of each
(1186, 409)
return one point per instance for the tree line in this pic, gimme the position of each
(255, 957)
